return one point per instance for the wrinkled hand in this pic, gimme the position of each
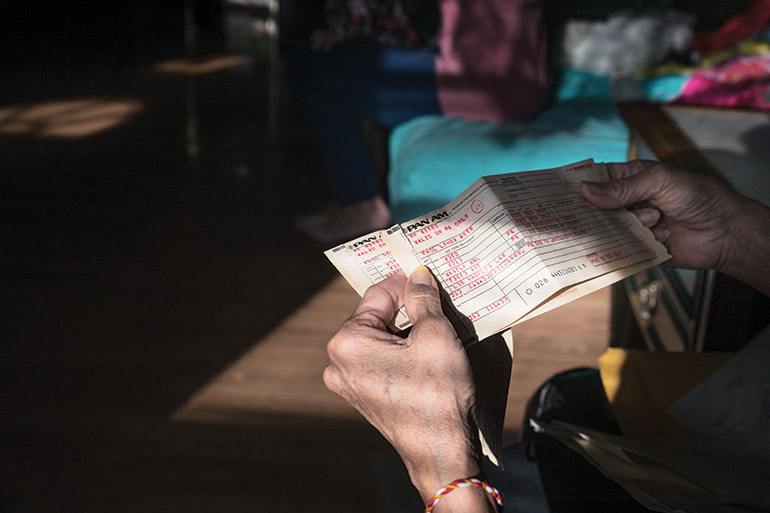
(322, 40)
(691, 214)
(417, 391)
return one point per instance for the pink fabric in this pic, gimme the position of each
(742, 81)
(492, 64)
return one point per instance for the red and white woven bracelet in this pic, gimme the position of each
(463, 483)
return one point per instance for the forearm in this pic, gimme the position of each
(749, 256)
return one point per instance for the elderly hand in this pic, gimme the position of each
(417, 391)
(689, 213)
(703, 223)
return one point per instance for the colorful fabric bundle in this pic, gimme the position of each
(394, 22)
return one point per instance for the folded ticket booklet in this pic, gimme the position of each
(510, 247)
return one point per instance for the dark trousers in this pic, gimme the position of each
(358, 80)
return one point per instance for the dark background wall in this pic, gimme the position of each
(65, 34)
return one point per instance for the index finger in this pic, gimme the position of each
(382, 301)
(619, 170)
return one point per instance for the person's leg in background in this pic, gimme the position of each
(356, 80)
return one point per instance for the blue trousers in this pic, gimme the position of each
(358, 80)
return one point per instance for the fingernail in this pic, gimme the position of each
(662, 235)
(648, 216)
(421, 276)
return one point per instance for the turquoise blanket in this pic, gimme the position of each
(433, 158)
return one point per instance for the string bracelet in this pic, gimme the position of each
(463, 483)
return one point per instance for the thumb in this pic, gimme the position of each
(422, 295)
(615, 193)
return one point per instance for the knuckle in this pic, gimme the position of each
(618, 189)
(331, 379)
(354, 324)
(426, 300)
(336, 348)
(342, 345)
(426, 295)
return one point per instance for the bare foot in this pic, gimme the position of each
(344, 223)
(308, 223)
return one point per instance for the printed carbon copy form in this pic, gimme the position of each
(510, 247)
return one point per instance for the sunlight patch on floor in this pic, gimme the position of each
(67, 119)
(282, 373)
(196, 67)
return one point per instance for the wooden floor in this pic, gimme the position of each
(162, 329)
(281, 373)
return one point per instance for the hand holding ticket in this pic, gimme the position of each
(510, 247)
